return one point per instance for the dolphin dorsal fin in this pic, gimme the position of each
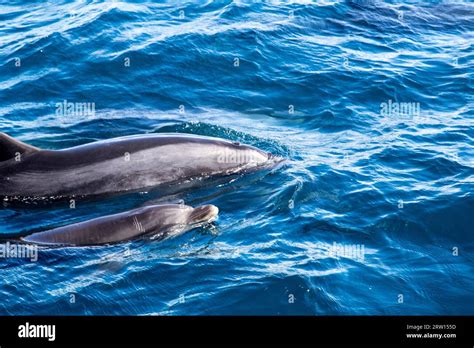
(10, 147)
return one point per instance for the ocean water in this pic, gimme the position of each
(370, 102)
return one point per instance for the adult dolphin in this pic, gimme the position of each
(119, 165)
(157, 222)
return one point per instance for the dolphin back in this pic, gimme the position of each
(11, 147)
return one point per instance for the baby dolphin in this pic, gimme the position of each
(124, 164)
(156, 222)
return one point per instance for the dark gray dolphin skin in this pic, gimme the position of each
(157, 221)
(119, 165)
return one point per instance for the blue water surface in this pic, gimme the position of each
(309, 81)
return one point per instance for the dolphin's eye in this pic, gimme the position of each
(236, 143)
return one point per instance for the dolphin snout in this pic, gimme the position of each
(205, 213)
(272, 159)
